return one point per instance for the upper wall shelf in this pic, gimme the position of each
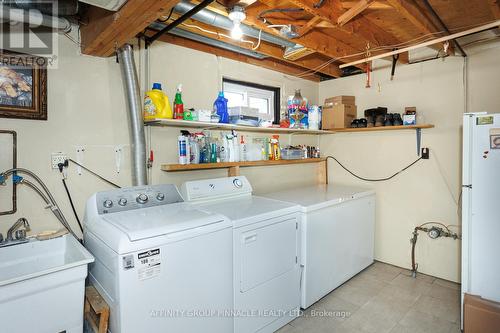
(228, 127)
(277, 130)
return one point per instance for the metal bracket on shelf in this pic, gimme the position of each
(419, 140)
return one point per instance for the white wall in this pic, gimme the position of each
(430, 190)
(86, 107)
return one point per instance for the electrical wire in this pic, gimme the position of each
(94, 173)
(438, 223)
(72, 205)
(219, 34)
(373, 179)
(258, 42)
(168, 17)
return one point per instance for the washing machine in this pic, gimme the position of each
(337, 224)
(266, 242)
(161, 264)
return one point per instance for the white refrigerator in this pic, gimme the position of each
(481, 206)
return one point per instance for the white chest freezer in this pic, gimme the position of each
(337, 238)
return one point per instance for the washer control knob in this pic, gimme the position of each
(160, 196)
(107, 204)
(122, 202)
(237, 183)
(142, 198)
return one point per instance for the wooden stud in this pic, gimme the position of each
(495, 8)
(360, 6)
(323, 172)
(233, 171)
(309, 25)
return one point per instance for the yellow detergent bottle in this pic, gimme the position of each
(156, 104)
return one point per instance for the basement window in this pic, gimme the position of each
(264, 98)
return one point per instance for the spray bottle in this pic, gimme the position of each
(178, 104)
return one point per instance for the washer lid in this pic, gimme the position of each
(319, 196)
(160, 220)
(249, 209)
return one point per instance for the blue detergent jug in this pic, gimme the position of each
(220, 108)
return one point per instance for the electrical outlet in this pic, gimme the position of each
(425, 153)
(57, 158)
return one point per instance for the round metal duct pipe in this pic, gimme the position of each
(220, 21)
(134, 106)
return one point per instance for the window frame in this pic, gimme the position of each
(275, 90)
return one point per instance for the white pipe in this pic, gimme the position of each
(431, 42)
(34, 18)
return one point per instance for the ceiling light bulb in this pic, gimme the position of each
(236, 32)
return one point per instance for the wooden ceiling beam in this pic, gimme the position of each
(271, 64)
(355, 10)
(268, 49)
(104, 31)
(495, 8)
(414, 15)
(309, 25)
(315, 40)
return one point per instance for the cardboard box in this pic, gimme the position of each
(337, 100)
(338, 116)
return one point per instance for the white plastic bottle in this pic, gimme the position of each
(183, 149)
(194, 150)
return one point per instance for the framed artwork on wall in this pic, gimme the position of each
(23, 86)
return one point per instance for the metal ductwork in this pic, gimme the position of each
(49, 7)
(209, 41)
(34, 18)
(220, 21)
(134, 107)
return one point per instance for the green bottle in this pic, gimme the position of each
(178, 104)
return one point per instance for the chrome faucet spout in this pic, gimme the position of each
(22, 222)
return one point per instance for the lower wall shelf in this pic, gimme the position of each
(234, 167)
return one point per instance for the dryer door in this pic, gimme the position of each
(267, 252)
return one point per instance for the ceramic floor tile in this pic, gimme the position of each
(424, 322)
(446, 309)
(358, 295)
(384, 298)
(444, 293)
(448, 284)
(411, 285)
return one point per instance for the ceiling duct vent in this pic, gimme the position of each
(113, 5)
(297, 52)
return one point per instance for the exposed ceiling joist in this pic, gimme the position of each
(360, 6)
(309, 25)
(410, 11)
(268, 49)
(495, 8)
(264, 63)
(104, 31)
(314, 40)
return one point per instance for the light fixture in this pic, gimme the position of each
(237, 14)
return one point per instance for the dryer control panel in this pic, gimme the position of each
(136, 197)
(218, 188)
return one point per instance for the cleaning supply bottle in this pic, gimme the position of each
(220, 108)
(183, 149)
(178, 104)
(156, 104)
(243, 149)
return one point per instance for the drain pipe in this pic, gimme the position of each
(132, 95)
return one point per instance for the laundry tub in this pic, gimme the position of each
(42, 286)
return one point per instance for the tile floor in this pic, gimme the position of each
(384, 298)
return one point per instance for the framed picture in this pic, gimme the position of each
(23, 86)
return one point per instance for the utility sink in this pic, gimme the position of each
(42, 285)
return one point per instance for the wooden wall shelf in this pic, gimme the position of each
(272, 130)
(382, 128)
(234, 167)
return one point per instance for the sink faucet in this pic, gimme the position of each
(19, 223)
